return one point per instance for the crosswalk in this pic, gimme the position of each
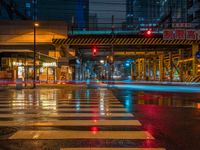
(95, 115)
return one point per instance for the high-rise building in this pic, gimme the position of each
(173, 11)
(93, 21)
(109, 12)
(142, 14)
(76, 11)
(193, 16)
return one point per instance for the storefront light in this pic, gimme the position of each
(41, 70)
(102, 61)
(52, 64)
(17, 63)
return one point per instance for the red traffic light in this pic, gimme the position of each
(148, 33)
(94, 51)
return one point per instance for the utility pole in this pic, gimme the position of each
(72, 27)
(112, 51)
(34, 47)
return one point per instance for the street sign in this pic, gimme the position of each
(198, 55)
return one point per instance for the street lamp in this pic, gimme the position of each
(34, 55)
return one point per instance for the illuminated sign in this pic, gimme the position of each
(52, 64)
(198, 68)
(18, 63)
(181, 25)
(198, 105)
(181, 34)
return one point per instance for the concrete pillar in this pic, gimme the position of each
(181, 65)
(171, 67)
(139, 69)
(144, 69)
(161, 67)
(195, 48)
(154, 68)
(132, 71)
(136, 70)
(149, 69)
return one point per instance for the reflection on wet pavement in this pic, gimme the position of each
(172, 118)
(168, 99)
(188, 100)
(81, 118)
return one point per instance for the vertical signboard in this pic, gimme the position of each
(180, 34)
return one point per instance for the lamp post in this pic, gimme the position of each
(34, 55)
(34, 51)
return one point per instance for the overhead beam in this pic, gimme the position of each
(137, 53)
(105, 41)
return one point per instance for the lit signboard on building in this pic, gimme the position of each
(181, 34)
(52, 64)
(18, 63)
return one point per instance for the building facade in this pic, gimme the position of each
(93, 22)
(106, 10)
(142, 14)
(173, 11)
(193, 15)
(73, 11)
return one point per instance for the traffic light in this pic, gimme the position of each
(94, 51)
(198, 68)
(149, 33)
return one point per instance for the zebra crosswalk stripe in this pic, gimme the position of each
(72, 118)
(48, 135)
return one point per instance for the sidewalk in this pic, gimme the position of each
(46, 86)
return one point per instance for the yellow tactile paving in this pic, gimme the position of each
(3, 103)
(90, 99)
(62, 109)
(87, 102)
(112, 149)
(73, 123)
(68, 115)
(61, 105)
(81, 135)
(58, 101)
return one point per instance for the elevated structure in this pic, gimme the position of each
(155, 58)
(17, 47)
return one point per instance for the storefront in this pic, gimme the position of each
(23, 68)
(48, 72)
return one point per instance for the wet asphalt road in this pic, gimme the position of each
(172, 119)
